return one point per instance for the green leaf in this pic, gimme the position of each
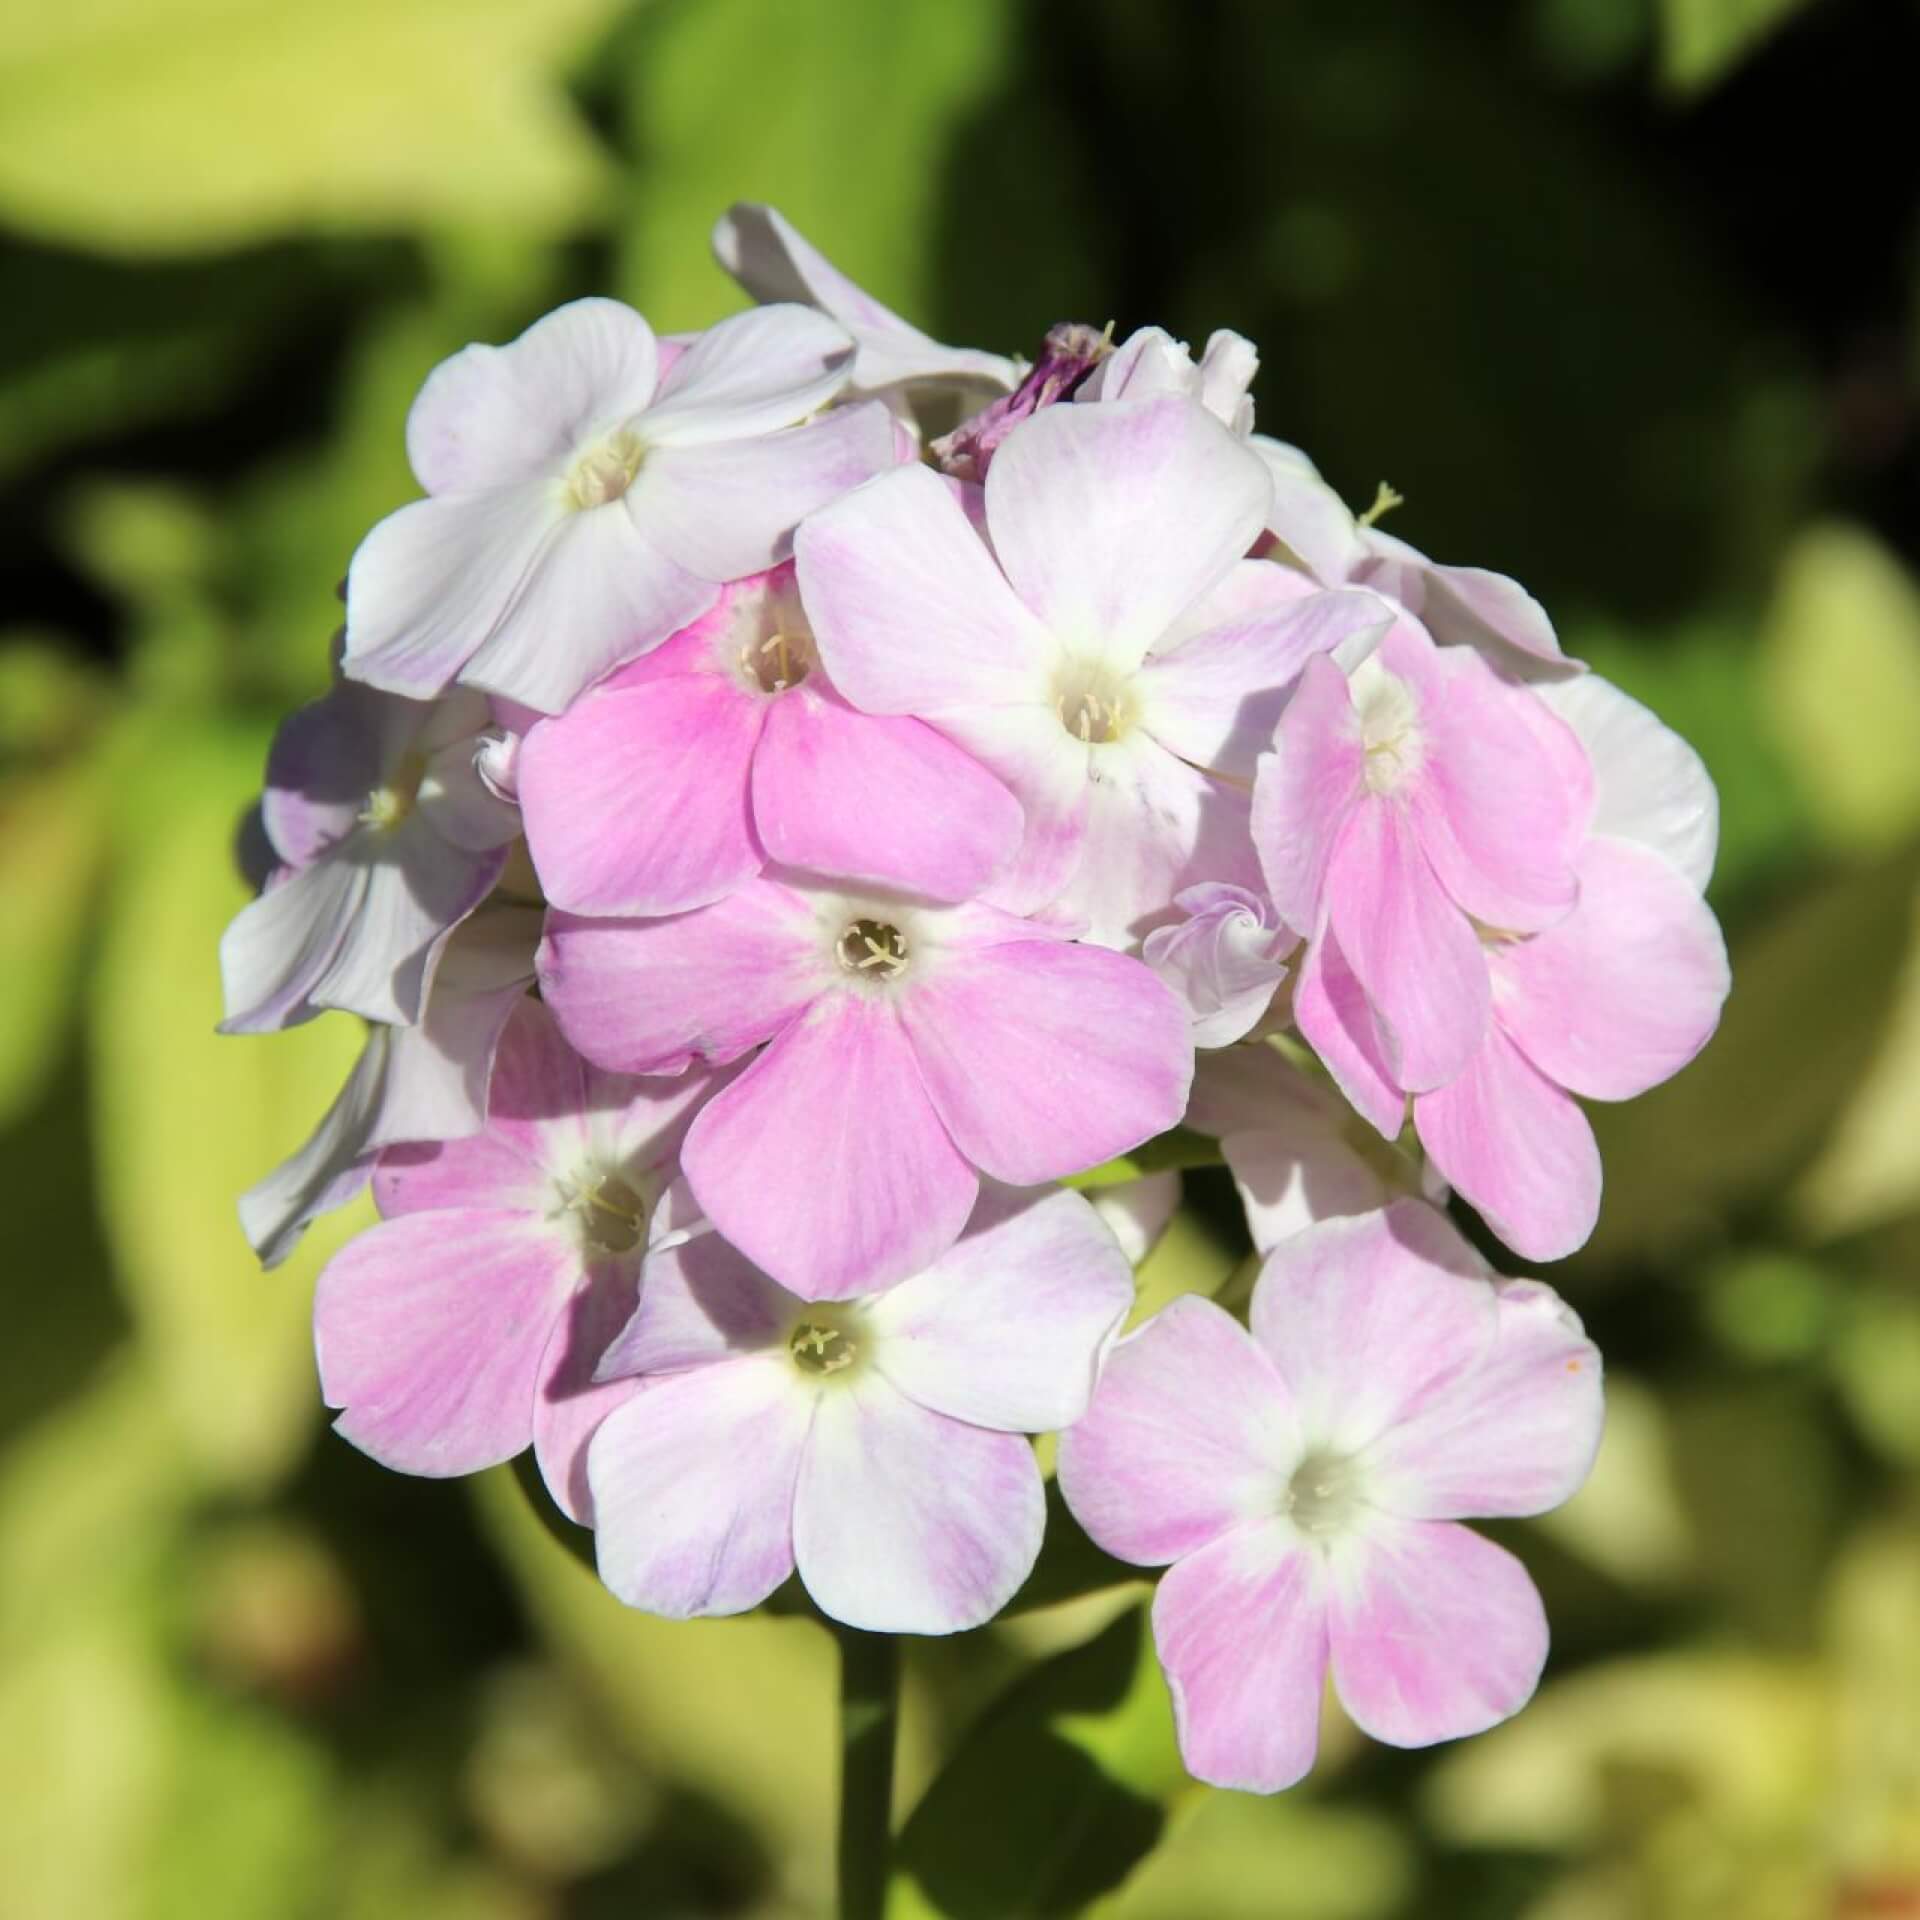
(1167, 1152)
(736, 100)
(159, 126)
(1070, 1565)
(1069, 1772)
(1700, 40)
(186, 1119)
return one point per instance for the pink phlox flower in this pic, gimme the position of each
(1412, 798)
(1296, 1151)
(682, 775)
(878, 1444)
(1224, 960)
(1616, 998)
(583, 505)
(1150, 362)
(893, 360)
(1302, 1482)
(1110, 654)
(1137, 1212)
(388, 838)
(909, 1047)
(468, 1323)
(1069, 355)
(424, 1082)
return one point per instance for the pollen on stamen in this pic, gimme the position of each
(818, 1348)
(389, 806)
(605, 472)
(872, 949)
(608, 1215)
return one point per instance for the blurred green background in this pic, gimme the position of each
(1620, 295)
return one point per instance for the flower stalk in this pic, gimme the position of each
(869, 1723)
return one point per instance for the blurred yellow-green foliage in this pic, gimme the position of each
(1622, 297)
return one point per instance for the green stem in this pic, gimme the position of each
(869, 1718)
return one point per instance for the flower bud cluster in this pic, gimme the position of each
(777, 841)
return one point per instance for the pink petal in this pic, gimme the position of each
(1310, 520)
(456, 803)
(1409, 946)
(1498, 818)
(1136, 1212)
(569, 1405)
(1241, 1630)
(641, 996)
(493, 415)
(692, 1484)
(1111, 520)
(1222, 960)
(751, 373)
(1191, 1432)
(1650, 786)
(1306, 789)
(1046, 770)
(879, 799)
(910, 613)
(1518, 1148)
(431, 1330)
(1436, 1632)
(325, 759)
(1516, 1434)
(433, 580)
(602, 592)
(1367, 1317)
(907, 1522)
(1007, 1327)
(1044, 1057)
(723, 508)
(1627, 989)
(636, 799)
(1331, 1010)
(1215, 699)
(826, 1163)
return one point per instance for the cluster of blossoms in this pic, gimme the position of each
(776, 843)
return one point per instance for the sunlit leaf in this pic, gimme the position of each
(1702, 39)
(156, 126)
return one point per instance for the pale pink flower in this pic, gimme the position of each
(1303, 1481)
(468, 1323)
(1224, 959)
(1109, 654)
(388, 839)
(763, 251)
(424, 1082)
(1410, 800)
(1150, 362)
(911, 1048)
(583, 505)
(682, 775)
(878, 1445)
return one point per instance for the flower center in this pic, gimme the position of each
(819, 1347)
(607, 1214)
(1324, 1495)
(782, 660)
(1389, 726)
(606, 471)
(1093, 705)
(387, 807)
(872, 949)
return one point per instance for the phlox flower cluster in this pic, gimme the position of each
(794, 796)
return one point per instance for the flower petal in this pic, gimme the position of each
(908, 609)
(278, 948)
(1007, 1327)
(491, 416)
(1409, 946)
(431, 1330)
(1215, 699)
(1241, 1630)
(826, 1163)
(878, 798)
(1330, 1008)
(1310, 520)
(1518, 1148)
(1111, 520)
(1436, 1633)
(692, 1483)
(907, 1522)
(570, 1403)
(1191, 1432)
(751, 373)
(1516, 1434)
(1044, 1057)
(1628, 988)
(636, 798)
(724, 508)
(641, 996)
(1306, 789)
(1366, 1317)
